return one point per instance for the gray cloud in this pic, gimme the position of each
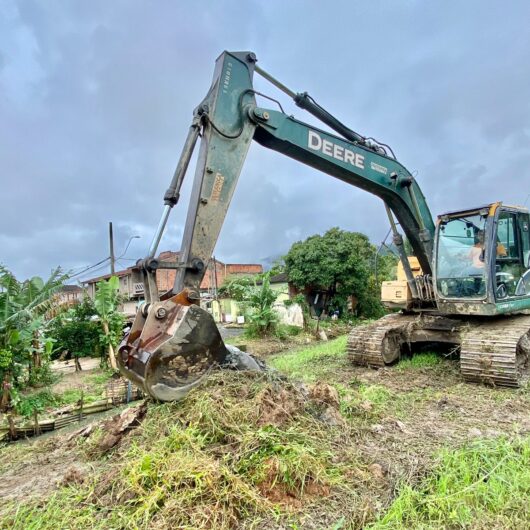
(96, 98)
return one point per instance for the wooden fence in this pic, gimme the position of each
(117, 392)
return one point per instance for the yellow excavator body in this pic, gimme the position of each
(396, 294)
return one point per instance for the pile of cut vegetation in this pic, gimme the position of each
(244, 450)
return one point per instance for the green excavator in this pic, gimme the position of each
(468, 287)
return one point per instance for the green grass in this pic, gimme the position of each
(359, 401)
(74, 395)
(44, 400)
(313, 362)
(325, 360)
(37, 402)
(485, 484)
(101, 378)
(212, 462)
(419, 360)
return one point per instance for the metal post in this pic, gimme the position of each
(111, 244)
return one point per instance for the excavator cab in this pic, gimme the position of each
(482, 260)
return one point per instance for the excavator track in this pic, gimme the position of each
(495, 352)
(374, 344)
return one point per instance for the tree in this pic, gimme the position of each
(106, 303)
(237, 288)
(341, 263)
(76, 332)
(25, 347)
(277, 267)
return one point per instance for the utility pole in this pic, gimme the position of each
(111, 243)
(214, 278)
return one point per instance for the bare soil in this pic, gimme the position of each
(43, 468)
(431, 408)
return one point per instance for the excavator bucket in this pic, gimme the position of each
(171, 349)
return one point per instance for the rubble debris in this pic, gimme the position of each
(73, 476)
(240, 360)
(115, 427)
(276, 408)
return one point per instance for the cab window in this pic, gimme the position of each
(512, 274)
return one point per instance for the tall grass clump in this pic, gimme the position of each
(310, 363)
(485, 484)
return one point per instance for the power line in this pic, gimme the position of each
(122, 260)
(89, 268)
(94, 272)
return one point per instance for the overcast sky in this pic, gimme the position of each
(96, 99)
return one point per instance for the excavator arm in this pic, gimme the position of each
(173, 342)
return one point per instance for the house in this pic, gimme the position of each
(132, 288)
(216, 273)
(280, 284)
(226, 309)
(69, 295)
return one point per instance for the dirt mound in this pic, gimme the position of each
(325, 394)
(241, 447)
(278, 407)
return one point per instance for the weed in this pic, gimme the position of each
(101, 378)
(36, 403)
(378, 395)
(284, 331)
(485, 484)
(275, 457)
(40, 402)
(75, 395)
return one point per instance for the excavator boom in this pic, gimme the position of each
(173, 342)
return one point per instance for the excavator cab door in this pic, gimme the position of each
(511, 254)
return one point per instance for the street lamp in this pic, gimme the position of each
(127, 246)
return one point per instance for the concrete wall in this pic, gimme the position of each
(282, 290)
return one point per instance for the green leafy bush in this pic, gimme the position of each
(76, 332)
(28, 405)
(25, 345)
(257, 299)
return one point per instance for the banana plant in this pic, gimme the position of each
(23, 306)
(106, 302)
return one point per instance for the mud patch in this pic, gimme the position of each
(41, 471)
